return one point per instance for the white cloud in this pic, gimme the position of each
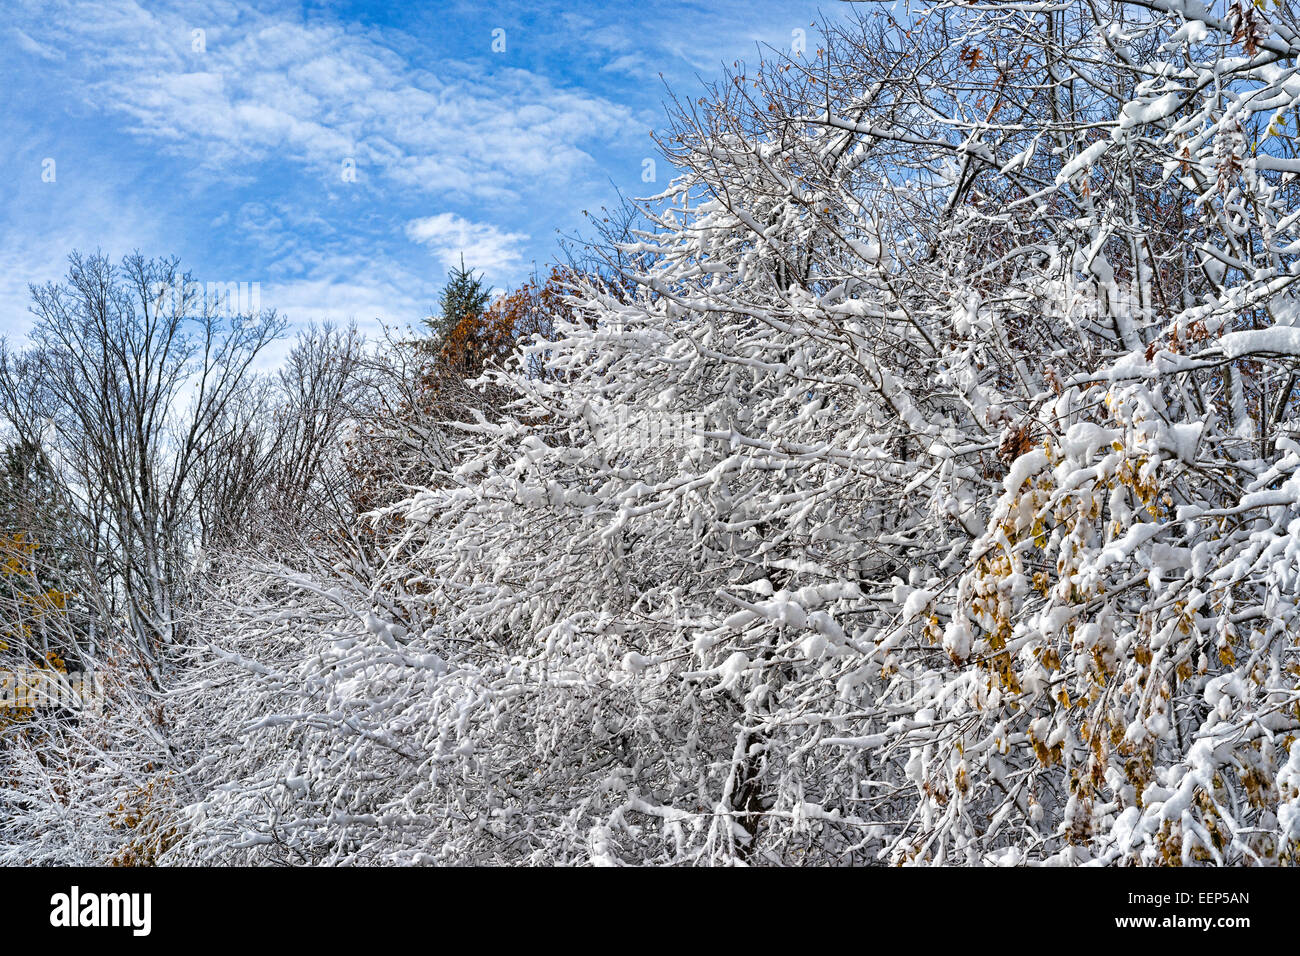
(484, 246)
(28, 45)
(267, 87)
(76, 220)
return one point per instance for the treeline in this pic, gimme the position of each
(148, 454)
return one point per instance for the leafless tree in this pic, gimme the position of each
(130, 384)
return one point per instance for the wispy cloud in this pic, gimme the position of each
(220, 132)
(254, 87)
(28, 45)
(484, 246)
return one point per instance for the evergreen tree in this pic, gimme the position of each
(464, 297)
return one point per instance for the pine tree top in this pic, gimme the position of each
(464, 295)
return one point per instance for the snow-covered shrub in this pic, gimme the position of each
(932, 499)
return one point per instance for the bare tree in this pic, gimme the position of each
(129, 383)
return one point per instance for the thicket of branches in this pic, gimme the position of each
(914, 482)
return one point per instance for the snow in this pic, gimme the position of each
(897, 482)
(1024, 468)
(1276, 340)
(1081, 161)
(917, 601)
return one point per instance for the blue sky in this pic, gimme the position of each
(228, 147)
